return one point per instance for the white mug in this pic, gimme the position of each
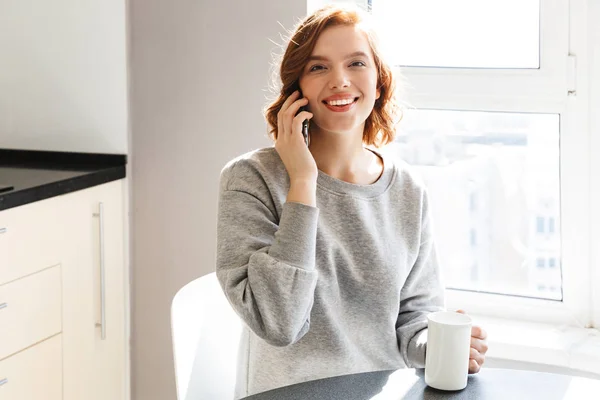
(448, 347)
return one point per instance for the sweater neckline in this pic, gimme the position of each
(344, 188)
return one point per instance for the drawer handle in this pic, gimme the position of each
(3, 305)
(100, 216)
(3, 381)
(3, 230)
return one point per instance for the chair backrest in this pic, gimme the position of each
(206, 333)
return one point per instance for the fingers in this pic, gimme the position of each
(298, 119)
(281, 114)
(474, 367)
(287, 114)
(291, 98)
(290, 120)
(478, 348)
(475, 362)
(480, 345)
(478, 332)
(476, 356)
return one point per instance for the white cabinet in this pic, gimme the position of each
(94, 288)
(29, 238)
(34, 373)
(65, 276)
(30, 310)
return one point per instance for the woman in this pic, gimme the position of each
(326, 251)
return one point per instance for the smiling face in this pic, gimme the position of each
(340, 80)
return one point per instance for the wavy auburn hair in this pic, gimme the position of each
(380, 125)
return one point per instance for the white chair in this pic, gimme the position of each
(206, 333)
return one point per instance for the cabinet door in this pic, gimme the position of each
(110, 284)
(95, 287)
(33, 374)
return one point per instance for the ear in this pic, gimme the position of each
(377, 94)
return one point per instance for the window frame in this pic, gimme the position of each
(490, 89)
(593, 13)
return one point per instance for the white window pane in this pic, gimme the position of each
(461, 33)
(493, 180)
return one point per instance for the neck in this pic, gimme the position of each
(344, 157)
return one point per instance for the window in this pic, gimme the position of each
(474, 273)
(466, 33)
(540, 225)
(473, 202)
(508, 160)
(498, 129)
(473, 237)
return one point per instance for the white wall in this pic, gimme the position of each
(199, 73)
(63, 83)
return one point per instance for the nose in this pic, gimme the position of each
(339, 79)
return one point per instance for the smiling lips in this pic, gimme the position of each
(340, 104)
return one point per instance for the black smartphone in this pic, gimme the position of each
(305, 128)
(305, 122)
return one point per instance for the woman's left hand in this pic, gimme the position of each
(479, 347)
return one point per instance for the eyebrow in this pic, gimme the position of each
(352, 55)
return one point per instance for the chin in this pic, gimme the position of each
(341, 127)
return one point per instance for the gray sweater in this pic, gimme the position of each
(340, 288)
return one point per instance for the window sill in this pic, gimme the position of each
(574, 351)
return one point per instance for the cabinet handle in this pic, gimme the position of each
(3, 381)
(3, 305)
(3, 230)
(100, 216)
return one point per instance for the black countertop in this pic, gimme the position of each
(39, 175)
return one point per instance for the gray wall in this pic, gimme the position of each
(199, 70)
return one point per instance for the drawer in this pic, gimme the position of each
(30, 310)
(33, 374)
(29, 238)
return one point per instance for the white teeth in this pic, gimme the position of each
(340, 102)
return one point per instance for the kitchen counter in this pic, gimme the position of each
(39, 175)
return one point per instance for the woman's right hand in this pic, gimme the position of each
(294, 153)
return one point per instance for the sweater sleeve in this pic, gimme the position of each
(422, 293)
(265, 266)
